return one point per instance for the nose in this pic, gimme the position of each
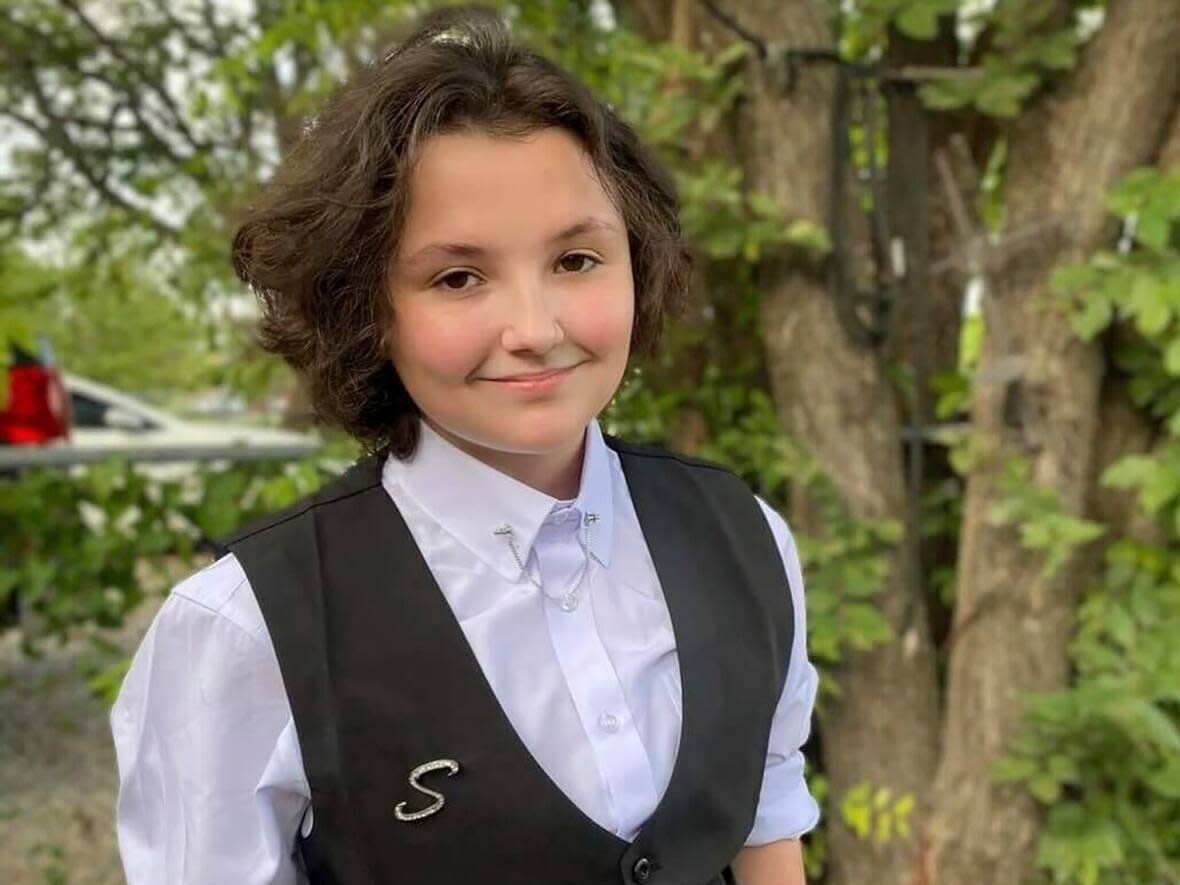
(533, 323)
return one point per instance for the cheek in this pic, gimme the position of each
(605, 325)
(436, 346)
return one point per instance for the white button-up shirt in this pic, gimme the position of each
(211, 781)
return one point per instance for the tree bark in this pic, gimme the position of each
(1170, 152)
(833, 396)
(1037, 398)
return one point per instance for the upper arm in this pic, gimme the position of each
(211, 786)
(786, 808)
(793, 717)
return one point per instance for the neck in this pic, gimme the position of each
(557, 473)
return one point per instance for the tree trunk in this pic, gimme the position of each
(832, 395)
(1170, 152)
(1037, 398)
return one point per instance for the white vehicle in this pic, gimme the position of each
(105, 418)
(105, 422)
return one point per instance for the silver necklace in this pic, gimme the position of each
(569, 600)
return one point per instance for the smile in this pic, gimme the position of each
(540, 381)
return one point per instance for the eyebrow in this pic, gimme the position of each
(467, 250)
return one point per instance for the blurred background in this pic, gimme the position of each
(934, 321)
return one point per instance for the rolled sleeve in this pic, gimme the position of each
(786, 808)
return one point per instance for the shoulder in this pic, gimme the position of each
(778, 527)
(207, 649)
(220, 591)
(784, 540)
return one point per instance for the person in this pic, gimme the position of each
(504, 646)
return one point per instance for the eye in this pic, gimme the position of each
(461, 275)
(577, 256)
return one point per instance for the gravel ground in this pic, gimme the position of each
(57, 765)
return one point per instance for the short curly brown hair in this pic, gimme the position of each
(317, 243)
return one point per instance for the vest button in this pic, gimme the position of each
(642, 871)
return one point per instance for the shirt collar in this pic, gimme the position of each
(470, 499)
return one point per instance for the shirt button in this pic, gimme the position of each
(609, 722)
(642, 871)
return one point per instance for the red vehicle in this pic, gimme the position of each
(37, 409)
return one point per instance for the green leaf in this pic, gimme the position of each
(1094, 315)
(1045, 788)
(1076, 839)
(1121, 626)
(1002, 94)
(1129, 471)
(763, 205)
(806, 233)
(1144, 723)
(919, 20)
(1166, 779)
(1058, 51)
(1011, 769)
(856, 811)
(1172, 358)
(1153, 229)
(1150, 307)
(1133, 190)
(947, 95)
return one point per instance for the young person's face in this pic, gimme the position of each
(483, 289)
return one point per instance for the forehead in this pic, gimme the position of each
(477, 185)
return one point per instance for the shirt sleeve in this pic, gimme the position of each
(211, 782)
(786, 809)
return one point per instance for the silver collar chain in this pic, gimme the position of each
(569, 600)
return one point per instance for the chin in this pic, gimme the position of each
(536, 439)
(527, 436)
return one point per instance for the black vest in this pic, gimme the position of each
(381, 679)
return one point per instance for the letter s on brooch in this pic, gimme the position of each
(452, 768)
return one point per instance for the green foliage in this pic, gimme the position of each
(941, 517)
(876, 813)
(1017, 45)
(1043, 524)
(73, 540)
(726, 223)
(1156, 479)
(952, 392)
(1104, 754)
(113, 319)
(846, 569)
(1141, 288)
(815, 850)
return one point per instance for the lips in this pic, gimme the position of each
(535, 376)
(536, 382)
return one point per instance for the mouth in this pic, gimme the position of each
(535, 380)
